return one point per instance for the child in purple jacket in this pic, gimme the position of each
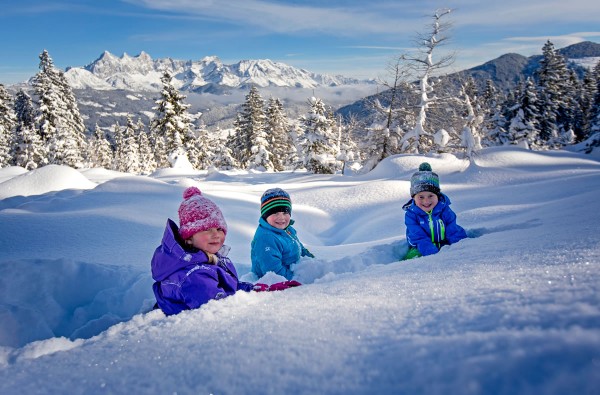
(191, 266)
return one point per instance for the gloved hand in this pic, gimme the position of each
(283, 285)
(308, 253)
(259, 287)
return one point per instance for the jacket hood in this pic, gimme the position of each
(170, 256)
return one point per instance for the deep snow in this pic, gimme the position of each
(514, 309)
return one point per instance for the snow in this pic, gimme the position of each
(514, 309)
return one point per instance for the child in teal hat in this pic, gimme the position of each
(430, 222)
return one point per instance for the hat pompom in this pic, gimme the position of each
(191, 191)
(425, 167)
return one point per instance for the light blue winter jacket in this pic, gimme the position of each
(275, 250)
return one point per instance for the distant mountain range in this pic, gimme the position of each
(111, 87)
(142, 73)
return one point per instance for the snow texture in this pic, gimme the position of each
(514, 309)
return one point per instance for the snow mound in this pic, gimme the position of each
(45, 179)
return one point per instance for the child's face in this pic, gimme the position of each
(426, 201)
(210, 240)
(279, 220)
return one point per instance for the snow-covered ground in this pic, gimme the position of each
(515, 309)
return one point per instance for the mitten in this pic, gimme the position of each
(308, 253)
(283, 285)
(258, 287)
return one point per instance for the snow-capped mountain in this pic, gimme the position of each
(142, 73)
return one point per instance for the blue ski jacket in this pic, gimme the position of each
(186, 279)
(428, 232)
(275, 250)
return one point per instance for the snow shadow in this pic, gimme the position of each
(314, 270)
(67, 299)
(478, 232)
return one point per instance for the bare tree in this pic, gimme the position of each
(419, 139)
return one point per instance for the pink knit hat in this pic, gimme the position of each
(197, 213)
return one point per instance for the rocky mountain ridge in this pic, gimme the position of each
(209, 74)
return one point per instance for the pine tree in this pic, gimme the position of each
(595, 107)
(100, 151)
(8, 121)
(524, 126)
(59, 119)
(318, 140)
(29, 149)
(586, 97)
(348, 149)
(172, 122)
(494, 124)
(249, 143)
(554, 95)
(147, 161)
(279, 138)
(204, 148)
(127, 150)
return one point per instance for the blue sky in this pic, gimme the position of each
(353, 38)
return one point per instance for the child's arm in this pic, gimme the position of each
(417, 236)
(454, 232)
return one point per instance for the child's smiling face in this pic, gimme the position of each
(426, 201)
(279, 220)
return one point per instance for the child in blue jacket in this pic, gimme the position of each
(430, 222)
(275, 246)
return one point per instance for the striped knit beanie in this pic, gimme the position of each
(424, 180)
(197, 213)
(273, 201)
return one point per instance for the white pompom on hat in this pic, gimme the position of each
(197, 213)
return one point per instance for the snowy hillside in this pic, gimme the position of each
(142, 73)
(514, 309)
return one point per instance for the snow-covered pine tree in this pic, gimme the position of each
(59, 119)
(494, 124)
(249, 144)
(348, 149)
(524, 129)
(319, 139)
(202, 149)
(100, 152)
(554, 95)
(172, 122)
(117, 132)
(8, 121)
(595, 111)
(127, 150)
(147, 161)
(29, 149)
(279, 138)
(588, 92)
(223, 158)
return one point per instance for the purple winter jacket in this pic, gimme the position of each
(185, 280)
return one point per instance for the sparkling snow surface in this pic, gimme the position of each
(515, 309)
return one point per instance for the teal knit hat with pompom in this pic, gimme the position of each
(424, 180)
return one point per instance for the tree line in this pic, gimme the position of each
(418, 113)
